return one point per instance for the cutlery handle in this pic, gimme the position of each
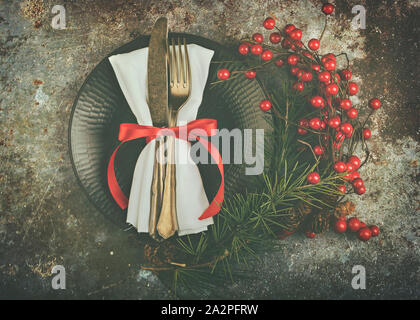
(156, 189)
(168, 223)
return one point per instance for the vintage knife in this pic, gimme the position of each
(157, 90)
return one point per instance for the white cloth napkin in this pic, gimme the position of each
(191, 200)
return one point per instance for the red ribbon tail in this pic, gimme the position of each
(216, 204)
(115, 189)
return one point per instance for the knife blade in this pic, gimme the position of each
(157, 73)
(157, 98)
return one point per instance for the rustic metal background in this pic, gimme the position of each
(46, 219)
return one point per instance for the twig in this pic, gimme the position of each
(310, 147)
(184, 266)
(325, 28)
(105, 288)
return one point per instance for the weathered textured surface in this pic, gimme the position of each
(47, 220)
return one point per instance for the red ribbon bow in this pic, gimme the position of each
(131, 131)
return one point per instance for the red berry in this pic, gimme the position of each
(250, 74)
(340, 226)
(314, 44)
(303, 123)
(265, 105)
(345, 104)
(339, 136)
(354, 224)
(324, 76)
(340, 167)
(365, 234)
(298, 86)
(342, 189)
(352, 113)
(374, 230)
(279, 63)
(330, 65)
(332, 89)
(306, 76)
(315, 123)
(361, 190)
(269, 23)
(292, 59)
(313, 178)
(336, 78)
(298, 43)
(328, 8)
(334, 122)
(348, 135)
(294, 71)
(317, 101)
(353, 88)
(284, 234)
(346, 73)
(256, 49)
(355, 161)
(358, 183)
(289, 28)
(243, 49)
(275, 37)
(375, 103)
(366, 133)
(346, 128)
(223, 74)
(362, 225)
(308, 55)
(302, 131)
(328, 57)
(355, 175)
(349, 167)
(258, 37)
(316, 67)
(267, 55)
(348, 176)
(318, 150)
(296, 34)
(286, 44)
(310, 234)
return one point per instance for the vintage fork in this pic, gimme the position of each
(179, 92)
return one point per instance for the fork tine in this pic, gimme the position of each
(168, 59)
(182, 65)
(187, 66)
(174, 64)
(171, 64)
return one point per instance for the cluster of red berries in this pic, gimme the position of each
(352, 175)
(336, 113)
(340, 131)
(353, 224)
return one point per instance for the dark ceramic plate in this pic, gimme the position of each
(100, 107)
